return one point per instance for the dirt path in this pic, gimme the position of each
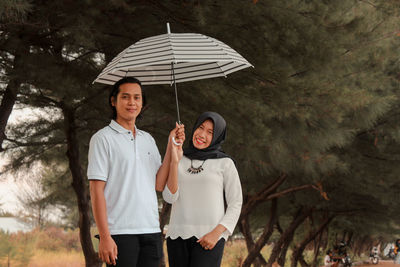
(381, 264)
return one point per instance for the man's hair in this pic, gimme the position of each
(115, 91)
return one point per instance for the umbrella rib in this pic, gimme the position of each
(173, 62)
(212, 39)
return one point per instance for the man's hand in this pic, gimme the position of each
(176, 153)
(178, 133)
(108, 250)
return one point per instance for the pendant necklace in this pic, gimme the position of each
(193, 170)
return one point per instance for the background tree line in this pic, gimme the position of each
(313, 127)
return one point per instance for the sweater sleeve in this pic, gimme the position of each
(168, 196)
(233, 195)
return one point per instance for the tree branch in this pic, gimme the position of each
(29, 144)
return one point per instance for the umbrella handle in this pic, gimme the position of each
(176, 143)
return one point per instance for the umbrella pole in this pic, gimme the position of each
(176, 93)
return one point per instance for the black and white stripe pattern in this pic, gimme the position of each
(195, 57)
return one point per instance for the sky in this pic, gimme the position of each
(12, 185)
(9, 187)
(8, 192)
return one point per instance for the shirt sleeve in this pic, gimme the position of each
(168, 196)
(98, 159)
(233, 196)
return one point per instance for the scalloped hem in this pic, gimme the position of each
(175, 236)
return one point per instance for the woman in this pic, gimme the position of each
(198, 182)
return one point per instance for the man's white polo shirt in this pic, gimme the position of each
(129, 166)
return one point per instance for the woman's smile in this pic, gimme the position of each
(199, 141)
(203, 135)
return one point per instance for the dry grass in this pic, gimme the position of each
(57, 248)
(234, 253)
(43, 258)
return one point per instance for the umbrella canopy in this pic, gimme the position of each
(173, 58)
(190, 56)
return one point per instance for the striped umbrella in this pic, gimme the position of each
(172, 58)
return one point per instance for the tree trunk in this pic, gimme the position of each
(317, 247)
(278, 227)
(303, 263)
(349, 238)
(251, 202)
(268, 192)
(166, 208)
(359, 246)
(284, 249)
(254, 252)
(80, 187)
(244, 228)
(326, 240)
(344, 236)
(287, 235)
(298, 252)
(9, 98)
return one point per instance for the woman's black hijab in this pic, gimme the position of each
(214, 150)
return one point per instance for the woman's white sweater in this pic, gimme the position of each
(198, 204)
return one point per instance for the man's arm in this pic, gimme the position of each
(162, 173)
(107, 247)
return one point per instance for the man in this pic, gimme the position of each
(124, 171)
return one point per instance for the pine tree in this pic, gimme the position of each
(323, 90)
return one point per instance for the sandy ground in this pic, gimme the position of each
(381, 264)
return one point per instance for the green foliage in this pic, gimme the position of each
(321, 104)
(14, 10)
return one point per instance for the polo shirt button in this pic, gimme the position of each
(129, 132)
(131, 139)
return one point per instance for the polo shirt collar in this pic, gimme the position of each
(117, 127)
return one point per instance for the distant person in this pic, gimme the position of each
(328, 258)
(396, 251)
(199, 179)
(374, 251)
(124, 172)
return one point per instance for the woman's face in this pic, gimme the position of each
(203, 135)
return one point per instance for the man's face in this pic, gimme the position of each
(128, 102)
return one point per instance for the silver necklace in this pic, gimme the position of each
(195, 170)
